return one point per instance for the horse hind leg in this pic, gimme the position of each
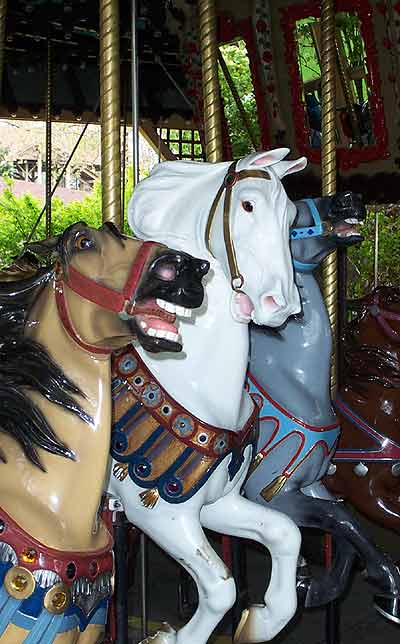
(236, 516)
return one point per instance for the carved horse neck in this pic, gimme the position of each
(208, 379)
(59, 507)
(303, 346)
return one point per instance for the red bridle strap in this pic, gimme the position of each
(106, 298)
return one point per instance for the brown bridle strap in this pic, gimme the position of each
(231, 178)
(102, 296)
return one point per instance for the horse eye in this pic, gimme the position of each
(248, 206)
(83, 243)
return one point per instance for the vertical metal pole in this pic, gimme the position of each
(3, 15)
(135, 94)
(330, 264)
(376, 253)
(328, 161)
(211, 96)
(110, 111)
(120, 530)
(136, 177)
(49, 106)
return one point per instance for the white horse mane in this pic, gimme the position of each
(163, 203)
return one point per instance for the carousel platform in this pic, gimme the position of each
(359, 622)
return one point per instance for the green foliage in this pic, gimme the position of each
(237, 61)
(361, 256)
(19, 214)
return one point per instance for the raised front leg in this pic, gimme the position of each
(236, 516)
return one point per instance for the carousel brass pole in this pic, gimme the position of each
(328, 163)
(211, 95)
(3, 15)
(110, 111)
(49, 107)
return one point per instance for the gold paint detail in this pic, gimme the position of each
(57, 599)
(149, 498)
(110, 111)
(120, 471)
(272, 489)
(211, 91)
(29, 555)
(255, 463)
(19, 582)
(328, 162)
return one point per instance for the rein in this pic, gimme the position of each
(104, 297)
(231, 178)
(381, 315)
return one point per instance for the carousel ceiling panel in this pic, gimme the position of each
(72, 26)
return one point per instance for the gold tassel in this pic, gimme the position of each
(149, 498)
(120, 471)
(273, 488)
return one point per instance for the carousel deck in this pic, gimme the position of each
(360, 623)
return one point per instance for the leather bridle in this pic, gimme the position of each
(118, 302)
(231, 178)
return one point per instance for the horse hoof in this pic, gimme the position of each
(252, 626)
(388, 606)
(166, 635)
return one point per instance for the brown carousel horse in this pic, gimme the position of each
(367, 460)
(58, 327)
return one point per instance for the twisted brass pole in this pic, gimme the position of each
(49, 110)
(328, 162)
(211, 96)
(3, 15)
(110, 111)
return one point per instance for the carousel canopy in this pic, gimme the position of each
(72, 28)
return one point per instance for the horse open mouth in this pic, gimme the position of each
(348, 230)
(156, 322)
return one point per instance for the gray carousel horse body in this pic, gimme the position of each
(289, 371)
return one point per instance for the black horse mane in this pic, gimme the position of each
(25, 365)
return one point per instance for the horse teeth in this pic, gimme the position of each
(161, 334)
(152, 332)
(161, 303)
(351, 221)
(174, 337)
(171, 308)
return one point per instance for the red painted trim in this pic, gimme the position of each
(87, 564)
(293, 459)
(322, 428)
(325, 448)
(346, 158)
(276, 430)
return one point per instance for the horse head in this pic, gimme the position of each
(240, 215)
(110, 287)
(324, 224)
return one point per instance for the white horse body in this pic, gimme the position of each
(172, 206)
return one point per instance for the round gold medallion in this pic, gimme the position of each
(56, 600)
(19, 582)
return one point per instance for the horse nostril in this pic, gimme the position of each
(203, 267)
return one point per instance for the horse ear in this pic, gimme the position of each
(269, 158)
(45, 247)
(288, 167)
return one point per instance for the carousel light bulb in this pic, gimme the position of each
(29, 556)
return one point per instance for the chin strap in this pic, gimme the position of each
(104, 297)
(381, 316)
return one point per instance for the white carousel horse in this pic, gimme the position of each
(238, 216)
